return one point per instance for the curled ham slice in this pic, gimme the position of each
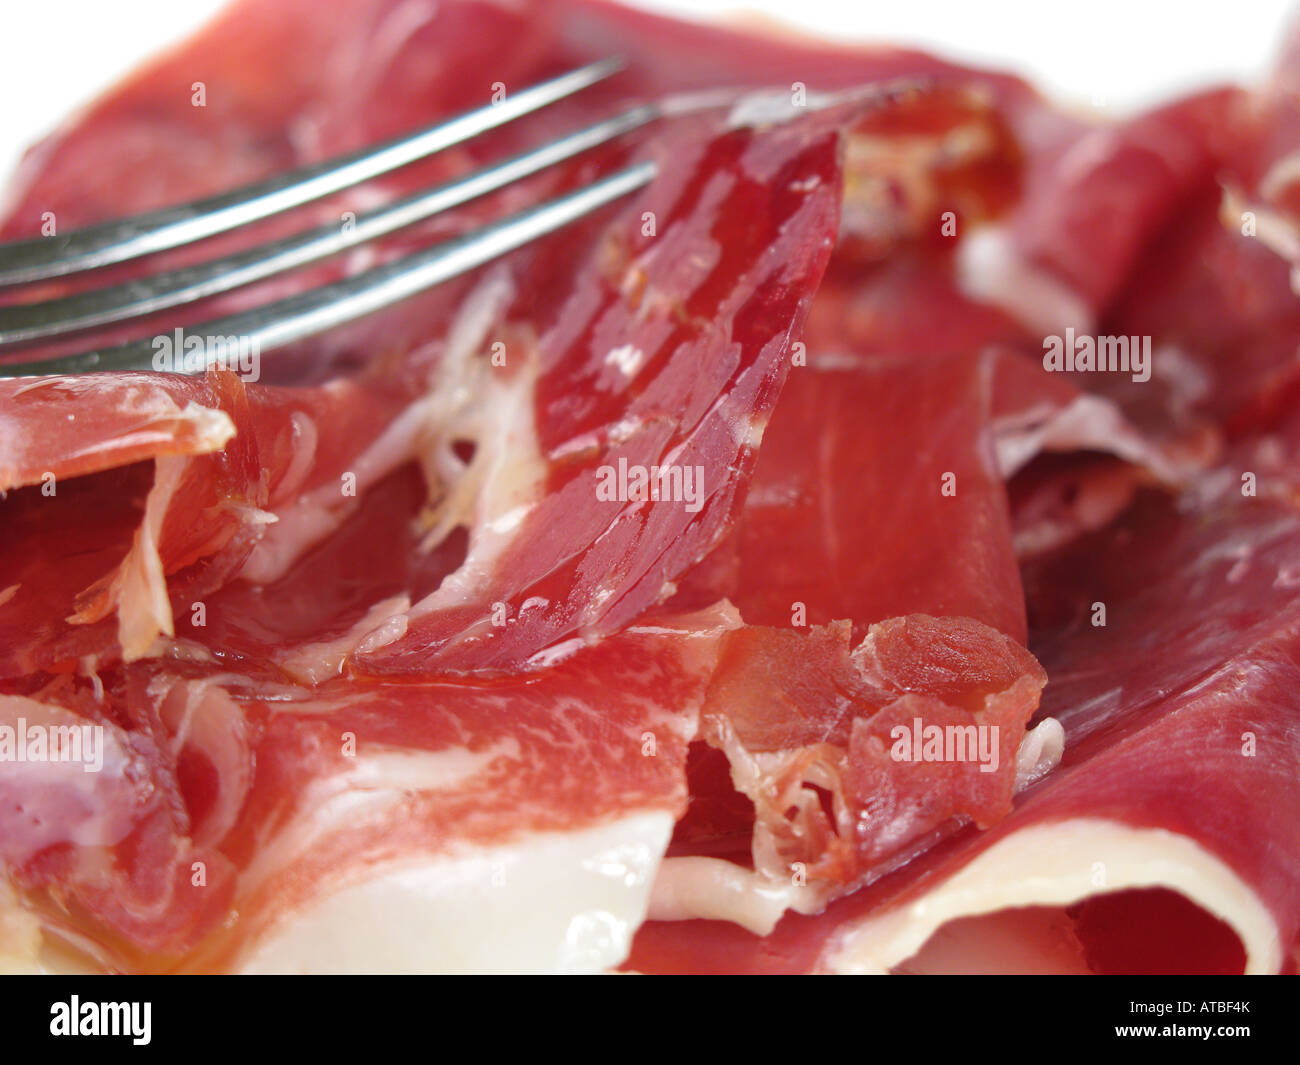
(801, 714)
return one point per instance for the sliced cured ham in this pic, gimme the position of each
(1179, 744)
(897, 530)
(261, 798)
(928, 659)
(219, 460)
(496, 447)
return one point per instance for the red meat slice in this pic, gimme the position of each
(702, 316)
(1090, 217)
(800, 712)
(221, 459)
(207, 767)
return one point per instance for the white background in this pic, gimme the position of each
(57, 54)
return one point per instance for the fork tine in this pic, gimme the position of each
(128, 238)
(31, 321)
(276, 324)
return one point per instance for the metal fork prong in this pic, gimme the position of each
(32, 321)
(316, 310)
(128, 238)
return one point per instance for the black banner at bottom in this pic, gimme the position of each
(337, 1015)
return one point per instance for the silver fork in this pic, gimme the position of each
(315, 310)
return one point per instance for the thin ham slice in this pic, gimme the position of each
(220, 460)
(232, 793)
